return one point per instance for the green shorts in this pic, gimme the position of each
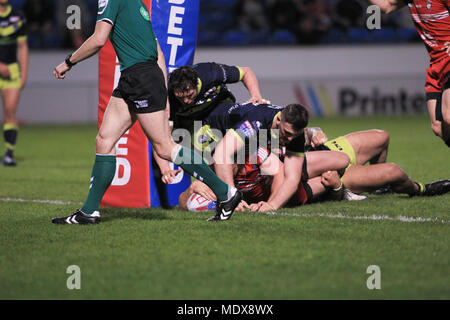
(13, 82)
(341, 144)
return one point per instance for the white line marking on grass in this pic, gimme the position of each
(60, 202)
(371, 217)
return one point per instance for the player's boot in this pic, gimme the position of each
(350, 196)
(437, 188)
(225, 209)
(79, 217)
(9, 161)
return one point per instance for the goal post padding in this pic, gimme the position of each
(175, 23)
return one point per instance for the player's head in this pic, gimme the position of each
(183, 83)
(4, 2)
(294, 118)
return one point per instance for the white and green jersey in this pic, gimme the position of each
(132, 35)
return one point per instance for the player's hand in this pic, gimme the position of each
(319, 139)
(330, 179)
(167, 176)
(243, 206)
(203, 190)
(4, 70)
(265, 206)
(257, 100)
(60, 70)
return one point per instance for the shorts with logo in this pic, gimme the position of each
(13, 81)
(143, 88)
(343, 145)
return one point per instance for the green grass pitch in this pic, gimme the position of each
(319, 251)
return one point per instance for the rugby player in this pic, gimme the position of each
(13, 72)
(432, 21)
(194, 91)
(141, 95)
(260, 179)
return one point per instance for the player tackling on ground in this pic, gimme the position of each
(432, 21)
(141, 95)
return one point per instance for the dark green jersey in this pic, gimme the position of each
(132, 34)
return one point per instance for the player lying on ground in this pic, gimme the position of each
(432, 21)
(362, 147)
(371, 147)
(243, 125)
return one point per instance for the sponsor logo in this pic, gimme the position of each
(144, 13)
(102, 5)
(141, 104)
(247, 129)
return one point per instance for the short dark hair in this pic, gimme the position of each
(183, 78)
(296, 115)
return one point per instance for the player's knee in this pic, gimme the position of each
(343, 161)
(103, 145)
(436, 127)
(394, 172)
(384, 138)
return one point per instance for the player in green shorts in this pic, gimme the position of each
(371, 147)
(141, 95)
(13, 72)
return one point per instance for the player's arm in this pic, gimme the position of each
(293, 165)
(89, 48)
(224, 156)
(195, 187)
(251, 83)
(315, 136)
(388, 6)
(274, 167)
(22, 57)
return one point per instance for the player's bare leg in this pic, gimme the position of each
(436, 125)
(116, 121)
(319, 162)
(369, 145)
(10, 99)
(360, 178)
(446, 117)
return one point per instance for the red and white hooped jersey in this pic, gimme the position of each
(432, 21)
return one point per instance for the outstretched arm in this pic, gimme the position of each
(251, 83)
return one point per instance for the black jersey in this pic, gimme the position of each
(12, 29)
(246, 121)
(212, 90)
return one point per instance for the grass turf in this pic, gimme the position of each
(170, 254)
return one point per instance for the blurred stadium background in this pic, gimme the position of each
(318, 52)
